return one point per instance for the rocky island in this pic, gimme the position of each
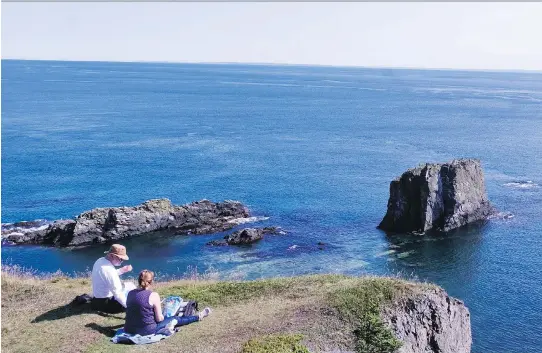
(441, 196)
(102, 225)
(246, 236)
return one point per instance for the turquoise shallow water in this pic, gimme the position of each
(311, 148)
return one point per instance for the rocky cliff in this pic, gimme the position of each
(440, 196)
(102, 225)
(430, 322)
(326, 309)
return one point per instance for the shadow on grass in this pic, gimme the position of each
(108, 331)
(69, 310)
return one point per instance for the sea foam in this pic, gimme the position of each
(522, 185)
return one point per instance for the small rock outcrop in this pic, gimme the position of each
(437, 196)
(245, 236)
(102, 225)
(430, 322)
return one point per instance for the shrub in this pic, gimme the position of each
(360, 305)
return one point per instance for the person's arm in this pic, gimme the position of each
(154, 300)
(116, 287)
(124, 269)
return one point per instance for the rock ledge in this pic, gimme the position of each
(430, 322)
(101, 225)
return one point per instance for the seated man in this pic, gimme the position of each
(108, 293)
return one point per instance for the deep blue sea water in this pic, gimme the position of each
(312, 148)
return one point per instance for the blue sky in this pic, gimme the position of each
(426, 35)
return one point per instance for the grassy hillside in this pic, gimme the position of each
(297, 314)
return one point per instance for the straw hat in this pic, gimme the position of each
(118, 250)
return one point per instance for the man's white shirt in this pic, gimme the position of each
(106, 281)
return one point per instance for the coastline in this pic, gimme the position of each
(214, 136)
(327, 313)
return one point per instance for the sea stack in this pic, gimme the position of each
(437, 196)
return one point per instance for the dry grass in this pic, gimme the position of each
(36, 316)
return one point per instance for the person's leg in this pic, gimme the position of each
(181, 321)
(185, 320)
(102, 304)
(112, 306)
(164, 322)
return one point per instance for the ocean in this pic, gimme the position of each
(309, 149)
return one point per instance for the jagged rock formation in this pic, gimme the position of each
(441, 196)
(430, 322)
(102, 225)
(245, 236)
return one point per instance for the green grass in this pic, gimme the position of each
(250, 317)
(361, 305)
(230, 293)
(275, 344)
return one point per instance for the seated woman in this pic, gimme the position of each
(144, 310)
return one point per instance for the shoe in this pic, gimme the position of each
(204, 313)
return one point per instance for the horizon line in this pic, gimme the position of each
(283, 64)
